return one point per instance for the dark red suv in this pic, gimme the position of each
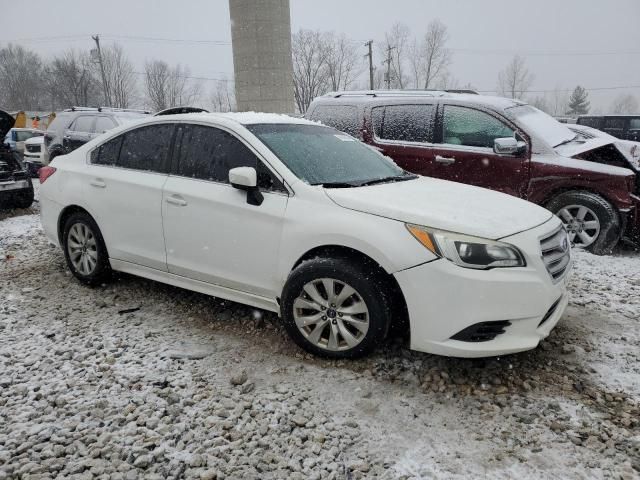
(501, 144)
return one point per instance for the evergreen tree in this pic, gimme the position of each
(578, 102)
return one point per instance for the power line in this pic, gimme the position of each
(524, 53)
(569, 89)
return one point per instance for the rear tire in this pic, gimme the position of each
(348, 322)
(592, 222)
(84, 249)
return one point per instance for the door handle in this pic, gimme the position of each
(445, 160)
(177, 200)
(98, 182)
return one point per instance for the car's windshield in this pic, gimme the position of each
(543, 125)
(22, 135)
(322, 155)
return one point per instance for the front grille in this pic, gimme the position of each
(482, 332)
(33, 148)
(556, 253)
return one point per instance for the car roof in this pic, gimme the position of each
(366, 96)
(242, 118)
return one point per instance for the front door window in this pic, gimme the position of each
(472, 128)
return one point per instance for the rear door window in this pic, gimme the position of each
(147, 148)
(107, 153)
(208, 153)
(341, 117)
(104, 124)
(84, 123)
(404, 123)
(472, 128)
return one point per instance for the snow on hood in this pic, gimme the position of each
(444, 205)
(576, 148)
(34, 140)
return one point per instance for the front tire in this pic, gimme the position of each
(84, 249)
(336, 307)
(591, 221)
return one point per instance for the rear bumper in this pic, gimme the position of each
(49, 214)
(444, 299)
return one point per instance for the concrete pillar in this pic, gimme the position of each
(261, 36)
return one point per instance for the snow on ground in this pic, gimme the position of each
(187, 386)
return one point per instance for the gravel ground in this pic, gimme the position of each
(136, 379)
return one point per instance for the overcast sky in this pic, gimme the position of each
(565, 42)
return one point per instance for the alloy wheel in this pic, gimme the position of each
(331, 314)
(582, 224)
(82, 248)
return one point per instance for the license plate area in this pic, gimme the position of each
(13, 185)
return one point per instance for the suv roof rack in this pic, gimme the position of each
(397, 93)
(105, 109)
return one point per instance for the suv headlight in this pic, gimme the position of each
(467, 251)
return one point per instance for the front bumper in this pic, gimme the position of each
(444, 299)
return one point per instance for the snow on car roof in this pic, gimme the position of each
(243, 118)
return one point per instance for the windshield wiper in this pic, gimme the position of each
(398, 178)
(567, 141)
(337, 184)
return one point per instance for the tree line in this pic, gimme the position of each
(78, 78)
(322, 62)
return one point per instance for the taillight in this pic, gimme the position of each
(45, 172)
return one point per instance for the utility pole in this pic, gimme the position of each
(370, 55)
(96, 38)
(388, 62)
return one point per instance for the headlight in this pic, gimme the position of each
(467, 251)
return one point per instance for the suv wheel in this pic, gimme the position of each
(591, 221)
(336, 308)
(84, 249)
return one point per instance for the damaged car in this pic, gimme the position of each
(16, 189)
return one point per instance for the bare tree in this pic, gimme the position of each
(395, 48)
(310, 53)
(156, 78)
(541, 103)
(559, 102)
(120, 79)
(222, 97)
(446, 81)
(514, 81)
(20, 79)
(70, 80)
(436, 55)
(343, 62)
(625, 104)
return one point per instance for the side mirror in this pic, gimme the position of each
(509, 146)
(246, 178)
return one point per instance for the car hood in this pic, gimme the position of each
(576, 148)
(34, 140)
(444, 205)
(6, 123)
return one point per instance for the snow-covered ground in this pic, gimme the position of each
(136, 379)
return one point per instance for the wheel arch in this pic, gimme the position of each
(66, 213)
(400, 314)
(549, 196)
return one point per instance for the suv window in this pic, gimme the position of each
(208, 153)
(341, 117)
(404, 123)
(146, 148)
(83, 123)
(107, 153)
(472, 128)
(614, 123)
(103, 124)
(634, 124)
(593, 122)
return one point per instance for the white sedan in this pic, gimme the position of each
(290, 216)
